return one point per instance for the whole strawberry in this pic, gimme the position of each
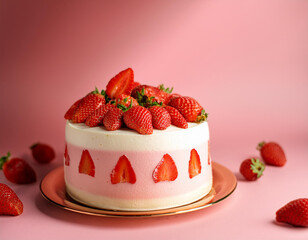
(160, 117)
(140, 119)
(148, 95)
(272, 153)
(70, 112)
(42, 153)
(125, 101)
(113, 119)
(96, 118)
(191, 110)
(294, 213)
(16, 170)
(176, 117)
(252, 169)
(10, 204)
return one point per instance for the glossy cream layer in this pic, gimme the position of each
(145, 194)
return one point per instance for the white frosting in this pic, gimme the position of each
(173, 138)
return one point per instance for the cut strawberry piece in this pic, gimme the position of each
(70, 112)
(165, 170)
(66, 156)
(176, 117)
(121, 83)
(87, 106)
(123, 172)
(194, 164)
(96, 118)
(86, 164)
(10, 204)
(113, 119)
(160, 117)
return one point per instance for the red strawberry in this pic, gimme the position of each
(140, 119)
(135, 84)
(113, 119)
(146, 95)
(294, 213)
(10, 204)
(252, 169)
(86, 164)
(176, 117)
(96, 118)
(70, 112)
(272, 153)
(17, 170)
(160, 117)
(165, 170)
(87, 106)
(189, 108)
(194, 164)
(171, 96)
(66, 156)
(121, 83)
(123, 172)
(42, 153)
(126, 101)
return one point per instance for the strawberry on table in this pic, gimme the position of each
(165, 170)
(189, 108)
(294, 213)
(272, 153)
(96, 118)
(121, 83)
(86, 164)
(87, 106)
(123, 172)
(194, 166)
(252, 169)
(176, 117)
(42, 153)
(140, 119)
(113, 119)
(10, 204)
(17, 170)
(160, 117)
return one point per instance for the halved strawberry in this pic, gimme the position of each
(176, 117)
(86, 164)
(88, 105)
(140, 119)
(165, 170)
(189, 108)
(123, 172)
(160, 117)
(96, 118)
(121, 83)
(194, 168)
(66, 156)
(113, 119)
(70, 112)
(10, 204)
(125, 101)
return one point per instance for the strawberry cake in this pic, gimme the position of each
(136, 147)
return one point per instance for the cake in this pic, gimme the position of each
(136, 147)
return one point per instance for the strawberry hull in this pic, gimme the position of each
(139, 191)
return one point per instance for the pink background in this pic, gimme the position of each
(246, 62)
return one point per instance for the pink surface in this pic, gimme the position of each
(245, 61)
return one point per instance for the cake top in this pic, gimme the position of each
(127, 103)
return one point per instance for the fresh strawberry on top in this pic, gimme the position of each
(140, 119)
(176, 117)
(126, 101)
(147, 95)
(10, 204)
(96, 118)
(252, 169)
(165, 170)
(121, 83)
(160, 117)
(42, 153)
(123, 172)
(70, 112)
(17, 170)
(88, 105)
(113, 119)
(189, 108)
(294, 213)
(272, 153)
